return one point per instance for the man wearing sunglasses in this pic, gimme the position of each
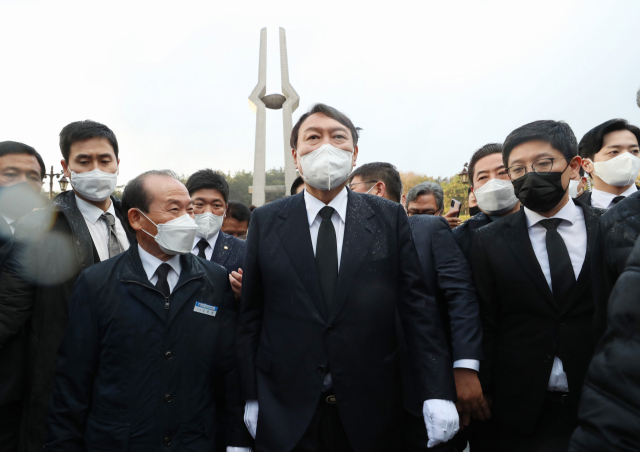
(532, 273)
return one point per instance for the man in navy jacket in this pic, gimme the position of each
(150, 340)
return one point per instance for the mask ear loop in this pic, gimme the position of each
(153, 236)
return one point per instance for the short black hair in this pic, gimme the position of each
(557, 133)
(381, 171)
(85, 130)
(329, 112)
(592, 141)
(296, 183)
(13, 147)
(487, 149)
(238, 211)
(135, 195)
(208, 178)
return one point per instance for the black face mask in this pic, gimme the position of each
(540, 192)
(18, 200)
(473, 211)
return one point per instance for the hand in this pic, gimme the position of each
(470, 397)
(251, 417)
(484, 411)
(452, 218)
(235, 278)
(441, 419)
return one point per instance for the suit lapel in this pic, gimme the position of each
(139, 286)
(222, 250)
(517, 237)
(191, 278)
(296, 240)
(358, 235)
(81, 236)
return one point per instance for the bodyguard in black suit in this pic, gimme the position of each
(52, 246)
(21, 173)
(325, 273)
(149, 351)
(532, 273)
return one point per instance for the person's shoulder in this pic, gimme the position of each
(212, 269)
(39, 221)
(628, 207)
(274, 208)
(377, 204)
(499, 226)
(428, 222)
(235, 241)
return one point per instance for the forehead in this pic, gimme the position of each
(489, 162)
(620, 137)
(163, 188)
(92, 146)
(25, 162)
(532, 151)
(321, 121)
(425, 199)
(207, 194)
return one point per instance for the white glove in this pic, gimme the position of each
(251, 416)
(441, 419)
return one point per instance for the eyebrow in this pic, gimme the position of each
(319, 129)
(623, 146)
(200, 198)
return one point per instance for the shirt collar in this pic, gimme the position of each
(91, 212)
(568, 212)
(602, 198)
(211, 240)
(151, 263)
(314, 205)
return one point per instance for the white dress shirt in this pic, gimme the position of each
(99, 229)
(573, 231)
(603, 200)
(151, 263)
(208, 251)
(314, 205)
(10, 222)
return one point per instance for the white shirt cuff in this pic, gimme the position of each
(467, 364)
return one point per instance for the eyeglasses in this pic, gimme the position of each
(358, 183)
(542, 166)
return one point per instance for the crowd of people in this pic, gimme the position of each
(347, 316)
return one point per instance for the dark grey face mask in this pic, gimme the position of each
(540, 192)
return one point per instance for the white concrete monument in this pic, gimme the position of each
(288, 101)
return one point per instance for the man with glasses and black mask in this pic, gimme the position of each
(532, 271)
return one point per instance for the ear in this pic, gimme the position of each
(381, 188)
(355, 157)
(404, 201)
(587, 165)
(575, 165)
(135, 219)
(65, 169)
(294, 155)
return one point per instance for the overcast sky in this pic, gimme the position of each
(429, 82)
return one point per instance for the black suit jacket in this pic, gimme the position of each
(585, 197)
(448, 278)
(287, 342)
(464, 233)
(229, 252)
(523, 328)
(617, 233)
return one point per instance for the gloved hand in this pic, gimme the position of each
(441, 419)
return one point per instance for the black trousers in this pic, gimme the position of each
(415, 438)
(325, 432)
(10, 415)
(552, 431)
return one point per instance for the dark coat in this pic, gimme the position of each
(617, 233)
(585, 197)
(287, 342)
(464, 233)
(229, 252)
(448, 278)
(131, 373)
(523, 328)
(610, 406)
(52, 246)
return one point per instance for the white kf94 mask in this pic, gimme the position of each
(496, 197)
(327, 167)
(94, 185)
(175, 236)
(619, 171)
(208, 224)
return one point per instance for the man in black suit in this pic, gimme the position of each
(52, 246)
(209, 191)
(496, 199)
(325, 273)
(447, 277)
(532, 273)
(21, 173)
(611, 156)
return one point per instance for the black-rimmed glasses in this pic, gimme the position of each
(542, 166)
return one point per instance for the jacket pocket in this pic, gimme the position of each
(101, 434)
(263, 360)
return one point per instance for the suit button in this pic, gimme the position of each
(168, 398)
(330, 330)
(547, 359)
(320, 369)
(167, 441)
(168, 355)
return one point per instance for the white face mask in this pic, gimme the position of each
(94, 185)
(496, 197)
(327, 167)
(619, 171)
(175, 236)
(573, 188)
(208, 224)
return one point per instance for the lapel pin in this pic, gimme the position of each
(226, 247)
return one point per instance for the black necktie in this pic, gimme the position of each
(616, 200)
(163, 285)
(563, 277)
(327, 257)
(202, 245)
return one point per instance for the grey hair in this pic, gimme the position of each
(135, 196)
(427, 188)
